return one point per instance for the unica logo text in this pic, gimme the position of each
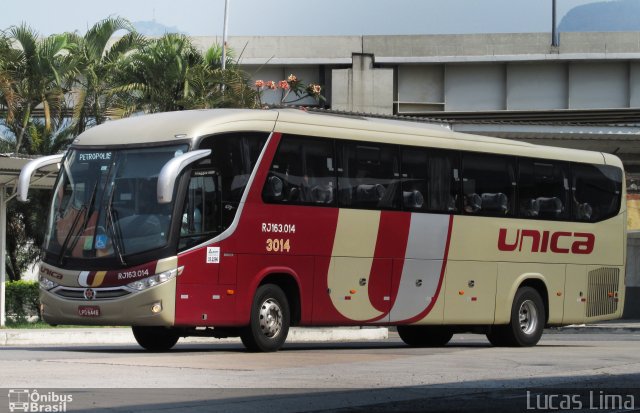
(559, 242)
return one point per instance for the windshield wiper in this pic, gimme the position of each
(83, 209)
(116, 233)
(63, 249)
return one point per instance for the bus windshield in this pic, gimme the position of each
(105, 203)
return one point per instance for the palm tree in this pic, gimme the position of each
(213, 87)
(7, 93)
(40, 68)
(157, 75)
(34, 74)
(96, 87)
(170, 74)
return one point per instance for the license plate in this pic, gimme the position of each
(89, 311)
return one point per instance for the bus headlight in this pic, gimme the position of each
(154, 280)
(47, 284)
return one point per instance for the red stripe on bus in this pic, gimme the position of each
(391, 242)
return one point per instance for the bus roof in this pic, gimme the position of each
(192, 124)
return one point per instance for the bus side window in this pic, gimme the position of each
(488, 184)
(415, 182)
(444, 178)
(596, 191)
(302, 172)
(543, 187)
(368, 175)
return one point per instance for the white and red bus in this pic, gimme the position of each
(246, 222)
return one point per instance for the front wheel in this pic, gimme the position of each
(528, 317)
(155, 338)
(425, 336)
(270, 318)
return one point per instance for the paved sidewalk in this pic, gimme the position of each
(123, 335)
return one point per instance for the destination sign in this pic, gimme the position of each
(95, 156)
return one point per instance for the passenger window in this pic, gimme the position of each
(368, 175)
(596, 191)
(488, 184)
(415, 183)
(302, 172)
(429, 180)
(444, 181)
(233, 156)
(543, 186)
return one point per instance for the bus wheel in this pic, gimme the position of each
(270, 319)
(425, 336)
(155, 338)
(527, 321)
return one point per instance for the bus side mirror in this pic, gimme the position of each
(29, 169)
(171, 170)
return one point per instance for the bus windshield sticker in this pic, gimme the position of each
(213, 255)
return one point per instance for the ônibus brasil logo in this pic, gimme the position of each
(25, 400)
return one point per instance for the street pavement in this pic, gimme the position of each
(361, 376)
(121, 335)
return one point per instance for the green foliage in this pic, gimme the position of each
(23, 301)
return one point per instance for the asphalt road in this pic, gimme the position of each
(588, 371)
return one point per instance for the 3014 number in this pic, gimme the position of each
(278, 245)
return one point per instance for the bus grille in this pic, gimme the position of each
(100, 294)
(602, 294)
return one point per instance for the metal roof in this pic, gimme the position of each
(11, 164)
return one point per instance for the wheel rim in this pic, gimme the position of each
(270, 318)
(528, 317)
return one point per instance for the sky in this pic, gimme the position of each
(295, 18)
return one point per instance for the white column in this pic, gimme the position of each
(224, 34)
(3, 254)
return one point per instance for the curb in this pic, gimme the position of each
(68, 336)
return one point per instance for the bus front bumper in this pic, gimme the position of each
(152, 307)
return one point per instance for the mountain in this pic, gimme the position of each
(153, 28)
(606, 16)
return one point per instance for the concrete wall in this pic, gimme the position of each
(474, 72)
(474, 87)
(363, 88)
(526, 86)
(537, 86)
(597, 85)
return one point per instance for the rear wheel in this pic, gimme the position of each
(527, 321)
(425, 336)
(270, 318)
(156, 338)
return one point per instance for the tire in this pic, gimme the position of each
(156, 339)
(425, 336)
(270, 319)
(528, 318)
(498, 336)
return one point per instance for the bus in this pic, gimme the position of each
(238, 222)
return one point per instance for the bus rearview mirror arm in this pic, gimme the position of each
(171, 170)
(29, 169)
